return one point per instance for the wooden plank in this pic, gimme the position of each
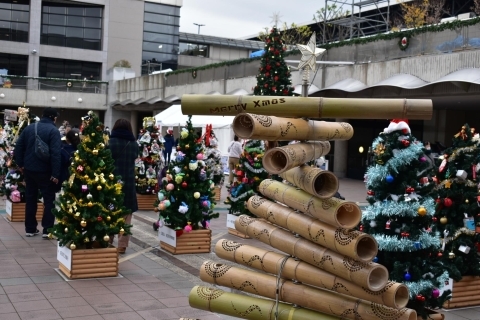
(146, 201)
(90, 261)
(452, 305)
(93, 271)
(238, 234)
(94, 266)
(473, 297)
(64, 270)
(94, 251)
(95, 275)
(18, 212)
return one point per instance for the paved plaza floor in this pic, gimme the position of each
(154, 283)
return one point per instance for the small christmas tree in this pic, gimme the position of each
(400, 215)
(150, 160)
(186, 199)
(213, 157)
(274, 77)
(457, 204)
(91, 207)
(250, 173)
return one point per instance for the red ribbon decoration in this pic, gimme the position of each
(207, 135)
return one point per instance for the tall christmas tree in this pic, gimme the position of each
(213, 157)
(274, 74)
(186, 198)
(400, 215)
(91, 207)
(250, 173)
(150, 159)
(457, 208)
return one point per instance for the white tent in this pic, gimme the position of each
(222, 125)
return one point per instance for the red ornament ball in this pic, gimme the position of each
(245, 180)
(447, 202)
(266, 85)
(405, 143)
(277, 64)
(434, 219)
(274, 88)
(275, 78)
(239, 173)
(410, 190)
(267, 74)
(268, 67)
(184, 184)
(179, 148)
(370, 193)
(99, 218)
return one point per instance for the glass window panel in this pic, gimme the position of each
(76, 11)
(57, 19)
(21, 16)
(56, 41)
(5, 26)
(160, 37)
(45, 18)
(23, 7)
(92, 44)
(93, 12)
(159, 8)
(45, 9)
(160, 28)
(93, 34)
(159, 57)
(74, 21)
(5, 14)
(59, 10)
(5, 5)
(152, 17)
(74, 32)
(166, 48)
(56, 30)
(19, 27)
(93, 22)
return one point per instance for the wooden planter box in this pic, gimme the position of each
(16, 211)
(196, 241)
(218, 192)
(146, 201)
(465, 293)
(88, 263)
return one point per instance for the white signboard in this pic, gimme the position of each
(11, 115)
(448, 286)
(167, 235)
(8, 207)
(231, 218)
(64, 256)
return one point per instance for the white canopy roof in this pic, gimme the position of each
(173, 117)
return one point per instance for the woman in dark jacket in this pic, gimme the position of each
(124, 150)
(72, 140)
(168, 145)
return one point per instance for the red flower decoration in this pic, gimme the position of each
(405, 143)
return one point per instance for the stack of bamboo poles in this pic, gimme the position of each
(328, 271)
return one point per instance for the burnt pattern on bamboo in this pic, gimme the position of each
(244, 285)
(265, 184)
(320, 232)
(265, 121)
(344, 237)
(333, 135)
(229, 245)
(380, 292)
(328, 203)
(259, 234)
(216, 270)
(353, 265)
(257, 201)
(208, 294)
(245, 221)
(346, 312)
(291, 153)
(347, 127)
(338, 286)
(252, 259)
(249, 310)
(386, 313)
(322, 261)
(290, 125)
(304, 155)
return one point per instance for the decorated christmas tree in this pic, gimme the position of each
(250, 173)
(400, 215)
(457, 204)
(213, 157)
(150, 159)
(274, 74)
(185, 201)
(14, 181)
(91, 207)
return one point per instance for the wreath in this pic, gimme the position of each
(403, 43)
(194, 74)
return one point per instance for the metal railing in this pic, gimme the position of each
(53, 84)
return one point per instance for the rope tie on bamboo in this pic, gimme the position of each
(277, 291)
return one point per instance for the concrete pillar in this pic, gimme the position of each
(340, 155)
(133, 121)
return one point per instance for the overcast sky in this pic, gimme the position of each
(241, 18)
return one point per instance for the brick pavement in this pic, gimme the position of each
(155, 284)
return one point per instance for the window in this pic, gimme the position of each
(71, 25)
(69, 69)
(160, 37)
(14, 20)
(193, 49)
(14, 64)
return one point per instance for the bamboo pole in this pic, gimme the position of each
(281, 159)
(351, 243)
(317, 182)
(323, 301)
(394, 295)
(335, 212)
(298, 107)
(253, 126)
(369, 275)
(246, 307)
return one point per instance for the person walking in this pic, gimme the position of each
(124, 150)
(72, 140)
(235, 150)
(168, 145)
(39, 174)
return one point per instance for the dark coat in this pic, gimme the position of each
(169, 142)
(66, 153)
(124, 156)
(24, 152)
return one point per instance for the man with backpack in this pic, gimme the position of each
(40, 173)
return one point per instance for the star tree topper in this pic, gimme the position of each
(310, 52)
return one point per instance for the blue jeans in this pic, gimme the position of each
(35, 181)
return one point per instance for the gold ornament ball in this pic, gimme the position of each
(77, 214)
(121, 231)
(85, 176)
(90, 204)
(108, 218)
(422, 211)
(86, 240)
(66, 230)
(83, 223)
(451, 255)
(95, 152)
(72, 164)
(187, 146)
(106, 238)
(101, 145)
(99, 188)
(466, 201)
(93, 134)
(443, 220)
(80, 201)
(73, 246)
(111, 176)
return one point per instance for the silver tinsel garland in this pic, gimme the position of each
(390, 208)
(416, 287)
(392, 243)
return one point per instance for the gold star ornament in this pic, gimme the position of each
(448, 184)
(310, 52)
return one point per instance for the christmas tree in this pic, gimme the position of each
(213, 157)
(274, 77)
(91, 207)
(186, 198)
(457, 207)
(14, 181)
(400, 215)
(250, 173)
(150, 160)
